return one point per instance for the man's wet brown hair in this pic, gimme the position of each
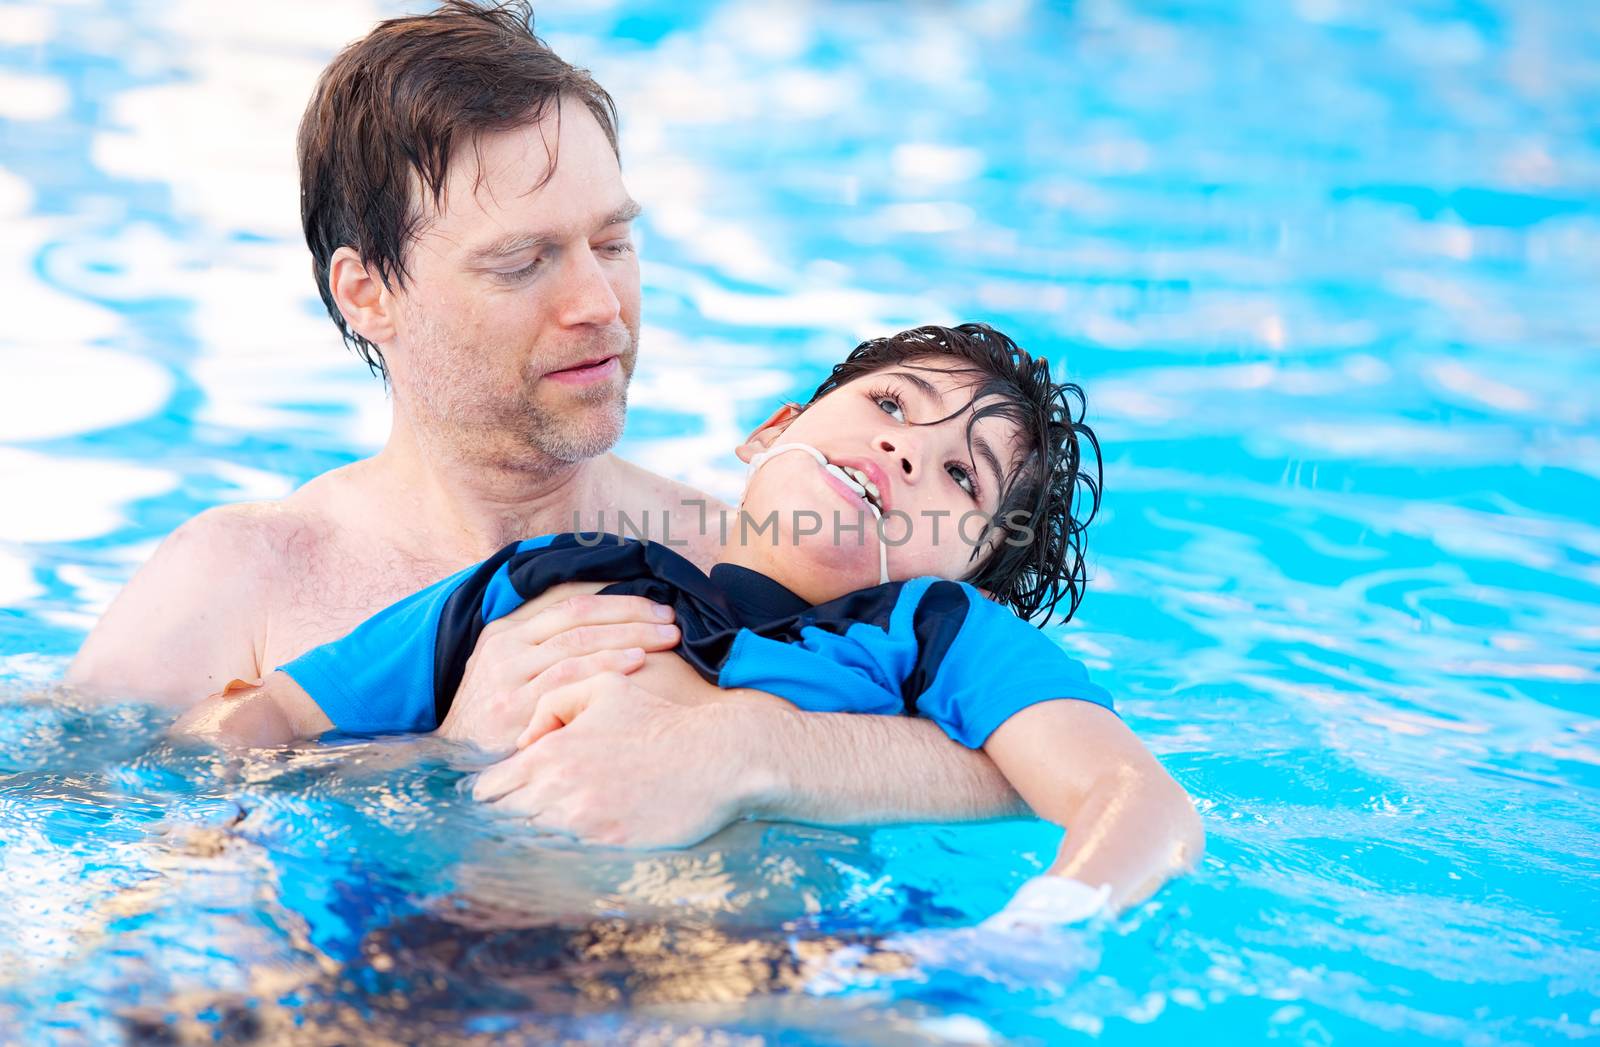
(1050, 493)
(392, 112)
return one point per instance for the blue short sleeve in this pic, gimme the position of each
(979, 665)
(378, 679)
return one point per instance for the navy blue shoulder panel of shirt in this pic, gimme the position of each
(926, 646)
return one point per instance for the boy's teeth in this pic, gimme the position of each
(846, 474)
(866, 483)
(858, 480)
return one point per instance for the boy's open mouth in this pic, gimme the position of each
(859, 482)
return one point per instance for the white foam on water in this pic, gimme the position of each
(932, 162)
(51, 319)
(139, 261)
(53, 499)
(250, 70)
(92, 589)
(270, 359)
(26, 96)
(253, 485)
(63, 390)
(674, 375)
(929, 216)
(17, 583)
(26, 25)
(862, 313)
(16, 195)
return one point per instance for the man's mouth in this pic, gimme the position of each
(588, 371)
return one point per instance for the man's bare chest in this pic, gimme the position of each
(331, 588)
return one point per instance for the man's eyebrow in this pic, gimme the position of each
(622, 215)
(511, 243)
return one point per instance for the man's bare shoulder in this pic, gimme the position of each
(195, 615)
(249, 536)
(693, 512)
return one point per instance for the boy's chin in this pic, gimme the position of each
(844, 566)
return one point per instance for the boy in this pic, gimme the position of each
(934, 429)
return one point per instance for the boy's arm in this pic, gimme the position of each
(274, 712)
(1129, 825)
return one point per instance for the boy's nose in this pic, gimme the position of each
(899, 450)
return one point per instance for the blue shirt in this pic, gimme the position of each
(927, 646)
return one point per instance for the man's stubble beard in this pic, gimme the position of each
(520, 432)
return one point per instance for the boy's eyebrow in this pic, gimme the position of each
(922, 385)
(511, 243)
(989, 458)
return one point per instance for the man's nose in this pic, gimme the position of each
(903, 454)
(586, 296)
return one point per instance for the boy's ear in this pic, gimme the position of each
(767, 433)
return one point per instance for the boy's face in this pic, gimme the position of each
(937, 493)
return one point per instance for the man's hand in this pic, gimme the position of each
(498, 693)
(629, 768)
(610, 760)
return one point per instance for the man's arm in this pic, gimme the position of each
(848, 768)
(188, 621)
(633, 768)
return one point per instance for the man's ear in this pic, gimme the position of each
(767, 432)
(366, 304)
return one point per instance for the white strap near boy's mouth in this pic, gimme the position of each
(760, 458)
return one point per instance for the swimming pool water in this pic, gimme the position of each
(1327, 270)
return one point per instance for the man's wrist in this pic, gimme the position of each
(750, 732)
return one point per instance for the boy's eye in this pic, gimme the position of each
(963, 478)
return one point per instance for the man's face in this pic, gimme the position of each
(517, 328)
(927, 478)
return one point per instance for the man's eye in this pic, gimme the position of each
(618, 248)
(963, 478)
(526, 271)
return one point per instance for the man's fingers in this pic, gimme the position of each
(583, 666)
(570, 671)
(562, 705)
(587, 639)
(565, 704)
(590, 610)
(516, 666)
(541, 724)
(504, 777)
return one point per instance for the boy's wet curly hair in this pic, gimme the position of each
(1048, 499)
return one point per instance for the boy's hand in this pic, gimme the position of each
(1047, 901)
(504, 679)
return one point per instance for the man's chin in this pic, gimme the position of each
(576, 435)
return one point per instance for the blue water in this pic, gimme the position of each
(1327, 270)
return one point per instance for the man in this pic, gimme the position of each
(470, 234)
